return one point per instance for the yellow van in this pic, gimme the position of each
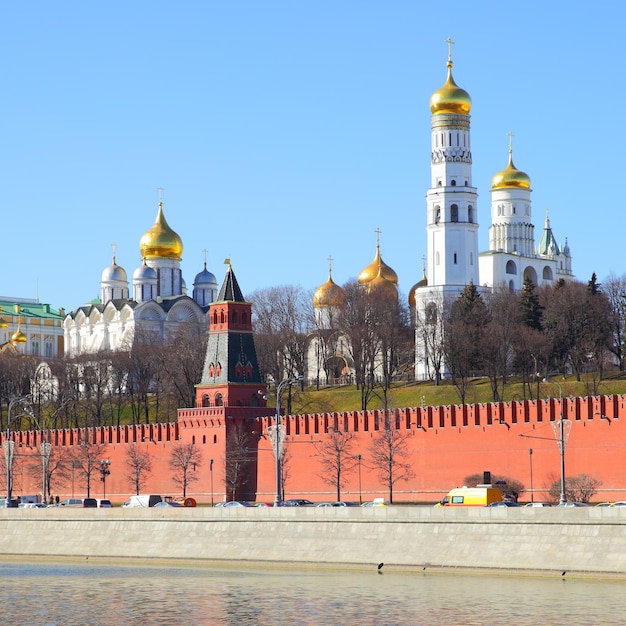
(482, 495)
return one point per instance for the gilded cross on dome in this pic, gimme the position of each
(511, 135)
(450, 44)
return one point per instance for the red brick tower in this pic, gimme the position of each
(232, 386)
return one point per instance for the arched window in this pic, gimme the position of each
(437, 213)
(547, 273)
(455, 258)
(453, 183)
(511, 268)
(431, 313)
(205, 400)
(221, 317)
(219, 399)
(454, 213)
(470, 214)
(234, 317)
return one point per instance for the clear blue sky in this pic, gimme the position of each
(285, 132)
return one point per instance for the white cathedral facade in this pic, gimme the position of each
(453, 260)
(159, 302)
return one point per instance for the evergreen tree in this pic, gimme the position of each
(531, 312)
(593, 287)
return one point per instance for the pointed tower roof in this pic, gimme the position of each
(230, 291)
(548, 245)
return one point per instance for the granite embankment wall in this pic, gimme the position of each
(547, 540)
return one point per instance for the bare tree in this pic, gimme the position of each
(578, 327)
(238, 460)
(142, 371)
(86, 459)
(283, 318)
(464, 338)
(579, 488)
(58, 468)
(429, 335)
(614, 288)
(182, 359)
(184, 461)
(337, 458)
(363, 343)
(497, 348)
(390, 456)
(139, 466)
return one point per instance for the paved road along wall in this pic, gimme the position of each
(545, 539)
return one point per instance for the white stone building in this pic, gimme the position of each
(453, 260)
(159, 302)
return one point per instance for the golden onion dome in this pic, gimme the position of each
(450, 98)
(416, 286)
(510, 177)
(382, 287)
(329, 294)
(18, 337)
(160, 240)
(375, 268)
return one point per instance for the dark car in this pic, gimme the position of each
(297, 502)
(504, 503)
(90, 503)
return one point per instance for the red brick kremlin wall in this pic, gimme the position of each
(445, 444)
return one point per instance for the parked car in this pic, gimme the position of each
(337, 504)
(103, 503)
(538, 504)
(573, 504)
(31, 505)
(90, 503)
(143, 500)
(163, 504)
(263, 505)
(619, 503)
(72, 502)
(376, 502)
(297, 502)
(504, 503)
(236, 503)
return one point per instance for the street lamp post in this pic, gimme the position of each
(104, 472)
(9, 445)
(530, 454)
(561, 440)
(278, 435)
(45, 449)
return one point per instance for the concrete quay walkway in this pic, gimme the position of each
(549, 540)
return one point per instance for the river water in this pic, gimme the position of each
(56, 594)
